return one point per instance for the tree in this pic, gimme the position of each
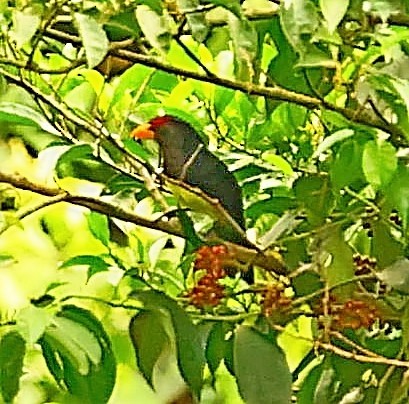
(111, 291)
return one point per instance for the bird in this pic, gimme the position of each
(186, 158)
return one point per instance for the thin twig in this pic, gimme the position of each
(353, 344)
(189, 162)
(327, 346)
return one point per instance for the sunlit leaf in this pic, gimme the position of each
(81, 97)
(93, 37)
(130, 81)
(232, 5)
(281, 163)
(25, 115)
(379, 163)
(32, 322)
(25, 25)
(333, 12)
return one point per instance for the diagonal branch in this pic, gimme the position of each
(364, 117)
(270, 262)
(276, 93)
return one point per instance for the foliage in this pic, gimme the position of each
(109, 291)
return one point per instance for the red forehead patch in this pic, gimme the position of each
(159, 121)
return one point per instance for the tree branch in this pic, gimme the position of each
(364, 117)
(268, 261)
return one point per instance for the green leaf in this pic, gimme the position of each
(64, 347)
(82, 337)
(299, 20)
(393, 92)
(79, 162)
(137, 148)
(333, 12)
(281, 163)
(12, 352)
(315, 194)
(222, 98)
(150, 338)
(314, 56)
(197, 21)
(349, 155)
(14, 112)
(130, 81)
(282, 68)
(67, 159)
(341, 267)
(78, 352)
(262, 372)
(385, 247)
(93, 37)
(244, 39)
(405, 328)
(189, 230)
(325, 387)
(217, 345)
(285, 224)
(309, 384)
(155, 27)
(379, 163)
(286, 119)
(98, 224)
(81, 97)
(190, 352)
(397, 194)
(396, 275)
(94, 263)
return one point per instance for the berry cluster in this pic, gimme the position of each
(212, 259)
(364, 264)
(274, 302)
(354, 314)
